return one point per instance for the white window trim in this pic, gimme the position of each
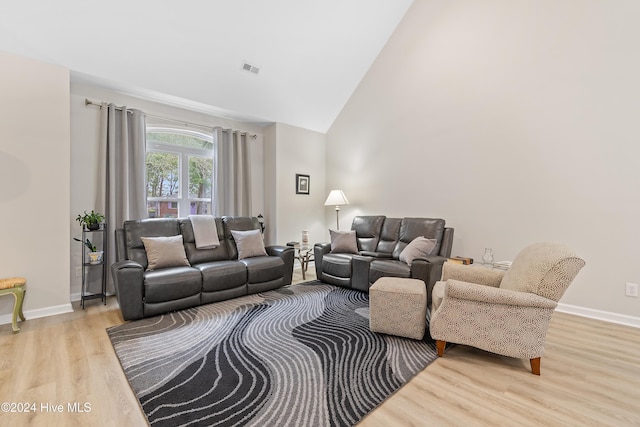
(184, 202)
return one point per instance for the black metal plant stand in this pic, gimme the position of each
(88, 266)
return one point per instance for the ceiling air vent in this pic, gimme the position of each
(250, 68)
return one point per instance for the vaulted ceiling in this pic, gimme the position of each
(311, 55)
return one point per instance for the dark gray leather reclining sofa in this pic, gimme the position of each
(380, 241)
(214, 274)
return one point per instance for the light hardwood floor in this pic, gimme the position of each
(590, 377)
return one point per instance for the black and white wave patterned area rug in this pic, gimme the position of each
(301, 355)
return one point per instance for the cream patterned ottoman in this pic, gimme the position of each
(398, 306)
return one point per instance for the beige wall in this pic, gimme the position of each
(292, 150)
(34, 171)
(514, 121)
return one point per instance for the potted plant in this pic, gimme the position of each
(90, 220)
(95, 256)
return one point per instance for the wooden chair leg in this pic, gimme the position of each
(535, 366)
(18, 295)
(17, 300)
(440, 347)
(20, 301)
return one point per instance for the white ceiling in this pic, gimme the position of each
(311, 54)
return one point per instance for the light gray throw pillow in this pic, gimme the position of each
(249, 243)
(343, 242)
(418, 248)
(164, 252)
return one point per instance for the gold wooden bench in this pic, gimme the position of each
(16, 287)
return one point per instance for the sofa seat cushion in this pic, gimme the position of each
(337, 265)
(263, 269)
(388, 268)
(169, 284)
(221, 275)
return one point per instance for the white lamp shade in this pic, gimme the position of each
(336, 198)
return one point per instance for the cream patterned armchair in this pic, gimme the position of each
(503, 312)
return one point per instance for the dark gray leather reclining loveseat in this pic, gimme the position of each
(214, 274)
(380, 241)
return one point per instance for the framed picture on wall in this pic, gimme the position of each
(302, 184)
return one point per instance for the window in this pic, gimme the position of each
(179, 172)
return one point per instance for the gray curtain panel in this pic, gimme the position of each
(232, 195)
(121, 192)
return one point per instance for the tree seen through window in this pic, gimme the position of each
(179, 173)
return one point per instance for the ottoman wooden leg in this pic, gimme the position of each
(440, 347)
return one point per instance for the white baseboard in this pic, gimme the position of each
(591, 313)
(607, 316)
(39, 312)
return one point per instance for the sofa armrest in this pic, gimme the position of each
(472, 274)
(450, 320)
(429, 270)
(488, 294)
(121, 246)
(435, 259)
(287, 253)
(319, 250)
(281, 251)
(324, 248)
(128, 278)
(360, 272)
